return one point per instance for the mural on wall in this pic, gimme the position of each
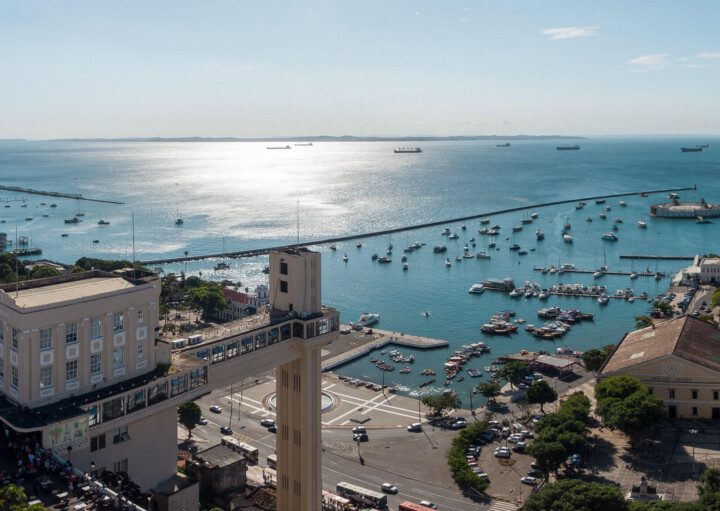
(73, 432)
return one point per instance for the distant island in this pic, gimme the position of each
(324, 138)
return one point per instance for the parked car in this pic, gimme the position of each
(266, 423)
(202, 421)
(458, 425)
(215, 409)
(389, 488)
(528, 480)
(272, 429)
(415, 427)
(513, 439)
(226, 430)
(502, 452)
(527, 434)
(519, 447)
(479, 472)
(534, 472)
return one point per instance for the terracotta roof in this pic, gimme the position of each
(686, 337)
(235, 296)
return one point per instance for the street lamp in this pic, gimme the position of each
(693, 432)
(69, 450)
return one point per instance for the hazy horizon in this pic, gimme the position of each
(246, 70)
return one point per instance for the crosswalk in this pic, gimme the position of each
(502, 506)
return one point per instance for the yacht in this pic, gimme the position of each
(476, 289)
(609, 236)
(539, 234)
(333, 247)
(447, 262)
(368, 319)
(642, 224)
(567, 238)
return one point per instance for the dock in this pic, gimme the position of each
(61, 195)
(657, 257)
(353, 237)
(378, 340)
(621, 273)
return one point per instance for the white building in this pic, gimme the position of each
(242, 304)
(710, 270)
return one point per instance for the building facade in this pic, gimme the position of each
(678, 360)
(710, 270)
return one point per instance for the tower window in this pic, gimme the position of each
(283, 286)
(283, 268)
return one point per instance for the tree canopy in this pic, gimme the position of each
(489, 390)
(513, 372)
(573, 494)
(208, 298)
(438, 403)
(189, 415)
(626, 404)
(540, 392)
(643, 322)
(459, 468)
(594, 359)
(42, 271)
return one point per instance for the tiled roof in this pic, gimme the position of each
(68, 291)
(686, 337)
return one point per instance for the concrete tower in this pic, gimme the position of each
(295, 292)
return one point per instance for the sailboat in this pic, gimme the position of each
(79, 213)
(222, 265)
(178, 220)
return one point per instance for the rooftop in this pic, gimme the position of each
(686, 337)
(218, 455)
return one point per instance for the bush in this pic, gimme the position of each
(459, 468)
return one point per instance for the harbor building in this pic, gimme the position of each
(677, 209)
(679, 361)
(710, 270)
(83, 376)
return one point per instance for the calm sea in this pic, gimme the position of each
(240, 196)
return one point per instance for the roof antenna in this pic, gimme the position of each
(297, 243)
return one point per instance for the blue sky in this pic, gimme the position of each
(237, 68)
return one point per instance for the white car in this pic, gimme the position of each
(202, 421)
(357, 430)
(513, 439)
(479, 472)
(389, 488)
(427, 503)
(415, 427)
(529, 480)
(215, 409)
(267, 423)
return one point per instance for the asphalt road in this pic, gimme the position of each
(390, 456)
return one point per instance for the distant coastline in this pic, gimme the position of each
(319, 138)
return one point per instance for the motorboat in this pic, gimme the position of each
(567, 238)
(439, 249)
(358, 244)
(702, 220)
(517, 228)
(533, 215)
(515, 293)
(623, 203)
(64, 235)
(463, 227)
(404, 266)
(514, 246)
(609, 236)
(642, 224)
(484, 221)
(367, 319)
(603, 216)
(445, 232)
(221, 266)
(482, 255)
(345, 258)
(458, 258)
(101, 222)
(633, 275)
(447, 262)
(73, 220)
(597, 274)
(384, 260)
(522, 252)
(618, 220)
(603, 299)
(374, 256)
(539, 235)
(453, 236)
(333, 247)
(476, 289)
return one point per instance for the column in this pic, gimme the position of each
(299, 423)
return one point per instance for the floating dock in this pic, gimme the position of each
(264, 251)
(75, 196)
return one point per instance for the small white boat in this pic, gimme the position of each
(642, 224)
(333, 247)
(609, 236)
(447, 262)
(476, 289)
(623, 203)
(345, 258)
(405, 266)
(597, 274)
(567, 238)
(633, 275)
(445, 232)
(533, 215)
(702, 220)
(603, 300)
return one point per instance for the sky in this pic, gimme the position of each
(377, 67)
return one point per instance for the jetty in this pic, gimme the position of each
(352, 237)
(608, 272)
(378, 340)
(658, 257)
(75, 196)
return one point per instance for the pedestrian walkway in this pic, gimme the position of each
(498, 505)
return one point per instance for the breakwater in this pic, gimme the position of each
(61, 195)
(658, 257)
(337, 239)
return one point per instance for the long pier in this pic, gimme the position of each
(337, 239)
(75, 196)
(622, 273)
(657, 257)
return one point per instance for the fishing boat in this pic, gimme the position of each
(568, 147)
(539, 235)
(279, 147)
(384, 260)
(103, 222)
(642, 224)
(407, 150)
(96, 241)
(73, 220)
(567, 238)
(691, 149)
(64, 235)
(609, 236)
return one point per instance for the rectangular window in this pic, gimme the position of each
(135, 401)
(140, 317)
(671, 393)
(96, 364)
(113, 409)
(2, 331)
(46, 377)
(283, 286)
(71, 370)
(118, 358)
(71, 333)
(120, 466)
(118, 322)
(95, 328)
(121, 435)
(97, 443)
(715, 395)
(46, 339)
(694, 410)
(140, 352)
(283, 268)
(14, 377)
(93, 415)
(15, 338)
(694, 394)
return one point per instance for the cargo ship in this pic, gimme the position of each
(568, 147)
(506, 144)
(691, 149)
(408, 150)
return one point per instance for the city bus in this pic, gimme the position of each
(332, 502)
(411, 506)
(272, 461)
(248, 451)
(362, 495)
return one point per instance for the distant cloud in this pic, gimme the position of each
(708, 55)
(648, 62)
(569, 32)
(683, 59)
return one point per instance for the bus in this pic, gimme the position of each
(362, 495)
(272, 461)
(411, 506)
(248, 451)
(332, 502)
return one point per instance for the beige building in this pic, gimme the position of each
(710, 270)
(679, 361)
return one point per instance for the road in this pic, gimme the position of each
(410, 461)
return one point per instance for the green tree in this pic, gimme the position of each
(438, 403)
(457, 461)
(513, 372)
(42, 271)
(709, 490)
(208, 298)
(626, 404)
(489, 390)
(664, 307)
(573, 494)
(594, 359)
(548, 455)
(539, 393)
(12, 496)
(189, 414)
(664, 505)
(643, 322)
